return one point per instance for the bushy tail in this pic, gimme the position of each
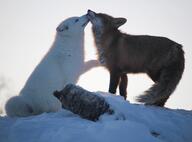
(17, 107)
(169, 78)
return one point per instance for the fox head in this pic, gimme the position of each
(72, 26)
(104, 22)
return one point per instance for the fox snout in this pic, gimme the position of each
(91, 14)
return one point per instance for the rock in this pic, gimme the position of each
(88, 105)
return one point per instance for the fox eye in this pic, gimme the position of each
(76, 20)
(62, 28)
(66, 28)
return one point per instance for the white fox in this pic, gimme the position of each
(63, 64)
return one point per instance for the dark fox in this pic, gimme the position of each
(159, 57)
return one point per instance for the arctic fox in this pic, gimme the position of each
(161, 58)
(63, 64)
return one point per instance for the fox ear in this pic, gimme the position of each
(119, 21)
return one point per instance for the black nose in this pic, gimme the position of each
(89, 11)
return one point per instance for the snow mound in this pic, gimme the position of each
(5, 93)
(130, 122)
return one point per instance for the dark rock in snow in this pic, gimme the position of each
(87, 104)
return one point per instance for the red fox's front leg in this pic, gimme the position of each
(114, 81)
(123, 85)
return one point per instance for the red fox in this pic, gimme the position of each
(159, 57)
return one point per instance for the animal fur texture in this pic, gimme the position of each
(63, 64)
(88, 105)
(159, 57)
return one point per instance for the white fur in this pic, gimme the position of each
(63, 64)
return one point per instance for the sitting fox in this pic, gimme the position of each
(160, 58)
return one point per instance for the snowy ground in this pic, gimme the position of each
(130, 123)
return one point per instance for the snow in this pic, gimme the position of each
(130, 122)
(6, 92)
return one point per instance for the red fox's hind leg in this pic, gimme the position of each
(123, 85)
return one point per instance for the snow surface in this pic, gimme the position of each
(130, 123)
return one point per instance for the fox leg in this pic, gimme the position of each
(123, 85)
(114, 81)
(89, 65)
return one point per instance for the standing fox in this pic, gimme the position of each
(160, 58)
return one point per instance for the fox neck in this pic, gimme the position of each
(103, 39)
(61, 42)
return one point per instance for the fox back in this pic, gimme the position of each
(161, 58)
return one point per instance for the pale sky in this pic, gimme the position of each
(27, 30)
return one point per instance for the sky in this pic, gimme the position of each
(27, 31)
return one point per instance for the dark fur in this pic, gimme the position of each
(160, 58)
